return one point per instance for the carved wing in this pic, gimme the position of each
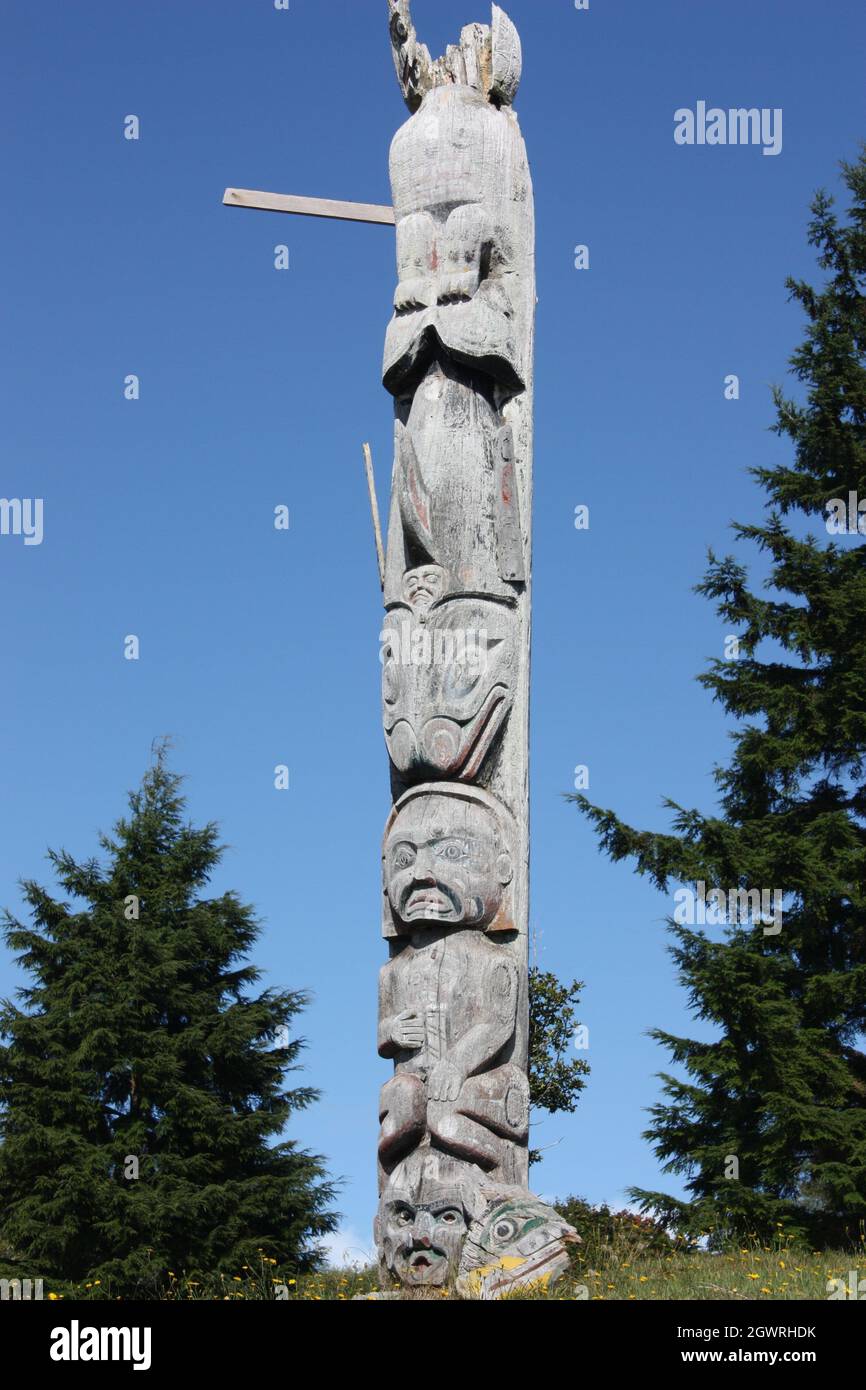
(507, 59)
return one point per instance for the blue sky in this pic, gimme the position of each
(258, 386)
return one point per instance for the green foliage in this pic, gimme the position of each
(555, 1079)
(140, 1038)
(782, 1087)
(607, 1235)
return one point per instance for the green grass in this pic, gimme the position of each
(747, 1274)
(618, 1273)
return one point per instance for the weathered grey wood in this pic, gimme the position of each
(308, 207)
(517, 1241)
(453, 1008)
(434, 726)
(374, 509)
(487, 59)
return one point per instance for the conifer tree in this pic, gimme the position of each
(769, 1124)
(142, 1080)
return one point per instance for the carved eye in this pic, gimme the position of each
(403, 857)
(505, 1230)
(450, 1218)
(403, 1217)
(452, 850)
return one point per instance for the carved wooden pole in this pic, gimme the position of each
(453, 1010)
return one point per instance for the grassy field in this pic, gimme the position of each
(750, 1273)
(745, 1275)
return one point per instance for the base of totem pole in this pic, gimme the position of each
(487, 1284)
(478, 1242)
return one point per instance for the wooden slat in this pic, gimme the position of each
(374, 507)
(309, 207)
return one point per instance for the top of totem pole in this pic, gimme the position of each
(488, 58)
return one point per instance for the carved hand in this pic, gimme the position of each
(460, 273)
(444, 1081)
(407, 1029)
(416, 241)
(414, 294)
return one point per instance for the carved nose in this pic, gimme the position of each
(423, 870)
(423, 1230)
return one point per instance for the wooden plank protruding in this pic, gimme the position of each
(374, 507)
(309, 207)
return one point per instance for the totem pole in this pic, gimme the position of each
(454, 1205)
(453, 1013)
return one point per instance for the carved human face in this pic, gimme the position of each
(446, 862)
(423, 586)
(421, 1243)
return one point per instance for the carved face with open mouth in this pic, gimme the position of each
(423, 1243)
(445, 862)
(423, 1216)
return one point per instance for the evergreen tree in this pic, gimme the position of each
(769, 1126)
(142, 1084)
